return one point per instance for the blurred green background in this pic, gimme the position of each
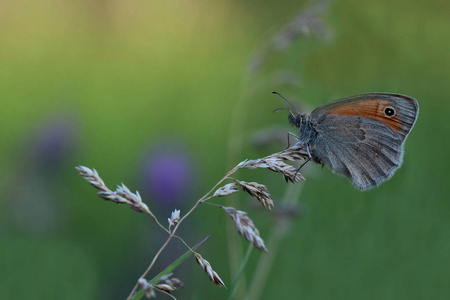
(166, 96)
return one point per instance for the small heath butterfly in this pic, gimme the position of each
(361, 137)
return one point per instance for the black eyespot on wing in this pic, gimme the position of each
(389, 111)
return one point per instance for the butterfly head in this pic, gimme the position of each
(297, 120)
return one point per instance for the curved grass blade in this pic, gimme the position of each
(240, 272)
(169, 269)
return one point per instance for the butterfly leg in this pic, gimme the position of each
(298, 170)
(293, 135)
(306, 161)
(309, 153)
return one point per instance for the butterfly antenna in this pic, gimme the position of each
(295, 109)
(278, 109)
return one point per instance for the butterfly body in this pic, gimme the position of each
(361, 137)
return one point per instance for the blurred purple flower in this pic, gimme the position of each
(169, 173)
(37, 181)
(54, 141)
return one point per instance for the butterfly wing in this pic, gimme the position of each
(362, 137)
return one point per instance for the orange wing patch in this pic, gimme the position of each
(370, 109)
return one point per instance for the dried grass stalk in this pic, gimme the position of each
(244, 224)
(134, 200)
(246, 228)
(94, 179)
(121, 195)
(258, 191)
(147, 287)
(226, 190)
(164, 287)
(309, 22)
(213, 276)
(174, 218)
(275, 162)
(174, 282)
(293, 153)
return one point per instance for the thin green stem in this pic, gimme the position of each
(240, 272)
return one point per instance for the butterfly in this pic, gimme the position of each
(361, 137)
